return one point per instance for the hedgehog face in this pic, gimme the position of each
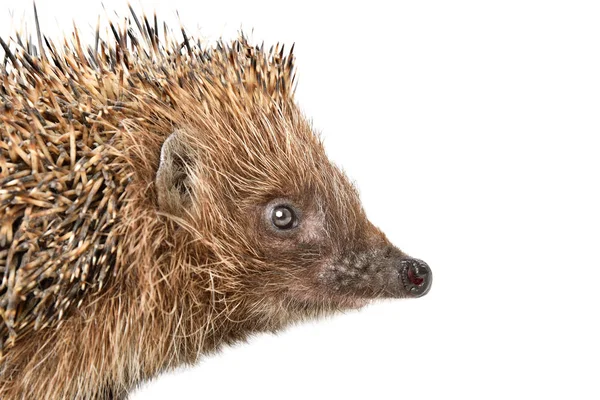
(328, 252)
(288, 223)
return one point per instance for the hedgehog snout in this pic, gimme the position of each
(416, 276)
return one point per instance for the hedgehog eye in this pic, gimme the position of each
(283, 217)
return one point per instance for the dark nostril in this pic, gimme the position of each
(417, 277)
(416, 274)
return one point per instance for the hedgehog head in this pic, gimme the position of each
(281, 228)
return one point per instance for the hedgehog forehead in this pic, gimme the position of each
(272, 174)
(256, 145)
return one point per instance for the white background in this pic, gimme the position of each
(472, 131)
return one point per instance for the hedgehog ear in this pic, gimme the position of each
(172, 176)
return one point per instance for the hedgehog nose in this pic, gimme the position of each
(417, 277)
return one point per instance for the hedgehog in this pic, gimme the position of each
(160, 199)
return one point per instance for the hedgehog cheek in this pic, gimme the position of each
(173, 175)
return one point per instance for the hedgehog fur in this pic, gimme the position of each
(134, 179)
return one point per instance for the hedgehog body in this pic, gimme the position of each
(158, 200)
